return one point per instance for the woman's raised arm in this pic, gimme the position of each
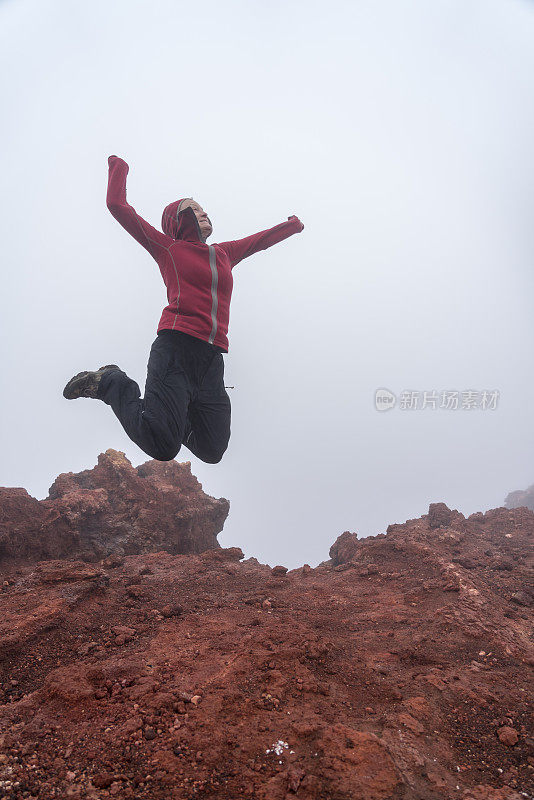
(150, 238)
(242, 248)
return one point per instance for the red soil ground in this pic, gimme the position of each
(402, 668)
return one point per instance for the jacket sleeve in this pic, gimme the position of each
(242, 248)
(152, 240)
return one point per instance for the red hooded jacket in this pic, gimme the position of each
(198, 276)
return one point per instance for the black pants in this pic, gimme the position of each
(185, 400)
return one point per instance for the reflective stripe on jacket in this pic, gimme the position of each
(198, 276)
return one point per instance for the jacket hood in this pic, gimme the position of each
(180, 224)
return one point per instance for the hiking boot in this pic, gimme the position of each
(85, 384)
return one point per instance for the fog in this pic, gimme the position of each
(401, 135)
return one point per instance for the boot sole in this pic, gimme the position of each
(72, 389)
(75, 387)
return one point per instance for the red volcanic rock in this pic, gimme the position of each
(344, 548)
(521, 499)
(507, 735)
(440, 516)
(21, 519)
(112, 510)
(158, 675)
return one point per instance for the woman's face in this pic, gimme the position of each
(206, 228)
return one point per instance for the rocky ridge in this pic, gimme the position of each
(112, 508)
(401, 669)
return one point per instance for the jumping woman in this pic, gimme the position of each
(185, 399)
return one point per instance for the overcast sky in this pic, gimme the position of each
(400, 132)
